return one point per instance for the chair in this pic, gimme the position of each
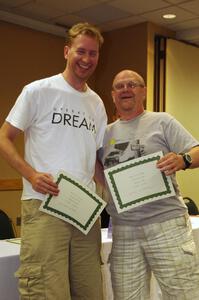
(6, 227)
(104, 219)
(192, 207)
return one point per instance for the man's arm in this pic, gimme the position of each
(172, 162)
(41, 182)
(99, 174)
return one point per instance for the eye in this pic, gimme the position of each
(93, 53)
(132, 84)
(80, 51)
(119, 86)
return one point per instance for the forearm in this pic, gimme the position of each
(172, 162)
(11, 155)
(41, 182)
(194, 153)
(99, 174)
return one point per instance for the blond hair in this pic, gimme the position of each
(85, 29)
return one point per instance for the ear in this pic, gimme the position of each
(66, 50)
(113, 96)
(145, 92)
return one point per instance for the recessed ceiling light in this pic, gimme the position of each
(169, 16)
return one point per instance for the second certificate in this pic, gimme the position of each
(137, 182)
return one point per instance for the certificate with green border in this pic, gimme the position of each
(137, 182)
(75, 204)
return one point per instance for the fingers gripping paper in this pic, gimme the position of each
(75, 204)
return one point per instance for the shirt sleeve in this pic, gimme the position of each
(178, 138)
(22, 113)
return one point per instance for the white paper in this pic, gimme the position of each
(137, 182)
(75, 204)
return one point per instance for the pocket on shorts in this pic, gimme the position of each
(189, 247)
(31, 282)
(181, 221)
(30, 210)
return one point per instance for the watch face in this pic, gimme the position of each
(188, 158)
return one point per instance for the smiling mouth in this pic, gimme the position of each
(84, 67)
(127, 97)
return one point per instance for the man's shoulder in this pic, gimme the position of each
(96, 99)
(42, 83)
(92, 92)
(159, 114)
(112, 124)
(164, 116)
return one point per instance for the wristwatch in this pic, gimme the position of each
(187, 160)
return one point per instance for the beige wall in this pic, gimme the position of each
(182, 96)
(27, 55)
(128, 48)
(123, 49)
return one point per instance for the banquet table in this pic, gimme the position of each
(9, 262)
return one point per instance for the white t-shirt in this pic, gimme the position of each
(63, 129)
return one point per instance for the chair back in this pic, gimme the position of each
(192, 207)
(6, 228)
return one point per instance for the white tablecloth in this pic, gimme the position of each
(106, 249)
(9, 262)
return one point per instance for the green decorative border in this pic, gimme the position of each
(112, 173)
(99, 204)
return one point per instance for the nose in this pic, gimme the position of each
(125, 87)
(86, 57)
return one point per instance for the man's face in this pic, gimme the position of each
(82, 57)
(128, 93)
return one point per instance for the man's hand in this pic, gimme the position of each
(44, 184)
(170, 163)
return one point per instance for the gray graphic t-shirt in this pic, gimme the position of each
(148, 133)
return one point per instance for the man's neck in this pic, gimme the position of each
(130, 116)
(80, 86)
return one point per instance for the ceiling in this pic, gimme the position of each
(55, 16)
